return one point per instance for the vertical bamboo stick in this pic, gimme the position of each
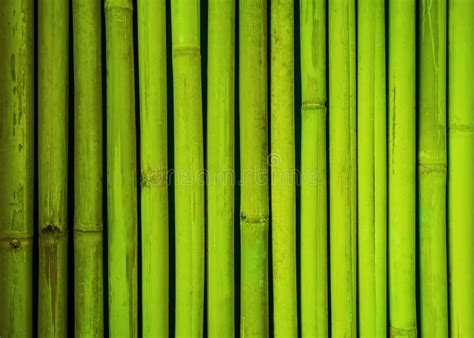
(53, 62)
(154, 166)
(461, 167)
(220, 167)
(283, 169)
(432, 161)
(314, 259)
(402, 172)
(342, 166)
(189, 165)
(88, 222)
(372, 169)
(16, 170)
(254, 206)
(121, 170)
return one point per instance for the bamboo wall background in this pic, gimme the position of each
(232, 168)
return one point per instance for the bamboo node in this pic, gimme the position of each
(397, 332)
(455, 127)
(118, 5)
(432, 167)
(253, 219)
(154, 178)
(52, 232)
(314, 106)
(187, 50)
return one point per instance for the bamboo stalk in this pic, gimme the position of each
(88, 195)
(189, 165)
(254, 208)
(432, 162)
(402, 172)
(342, 167)
(314, 259)
(461, 167)
(220, 168)
(53, 62)
(372, 169)
(154, 167)
(16, 171)
(283, 169)
(121, 170)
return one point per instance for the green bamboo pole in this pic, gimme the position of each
(88, 221)
(283, 169)
(254, 206)
(16, 170)
(154, 167)
(432, 161)
(314, 259)
(220, 168)
(53, 63)
(189, 165)
(342, 166)
(461, 167)
(121, 170)
(372, 169)
(402, 171)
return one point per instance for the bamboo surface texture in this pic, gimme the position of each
(88, 191)
(121, 171)
(314, 246)
(223, 168)
(372, 170)
(17, 168)
(220, 169)
(254, 204)
(282, 163)
(189, 165)
(432, 164)
(401, 167)
(154, 165)
(342, 167)
(53, 108)
(461, 167)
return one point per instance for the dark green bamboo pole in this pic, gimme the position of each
(342, 166)
(372, 169)
(88, 195)
(461, 167)
(121, 170)
(432, 162)
(189, 165)
(254, 207)
(53, 63)
(16, 170)
(220, 168)
(154, 167)
(314, 259)
(402, 171)
(283, 169)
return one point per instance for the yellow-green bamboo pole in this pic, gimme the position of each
(16, 170)
(121, 170)
(283, 169)
(154, 166)
(372, 169)
(53, 63)
(461, 167)
(88, 196)
(189, 166)
(401, 167)
(314, 259)
(432, 161)
(220, 168)
(254, 205)
(342, 166)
